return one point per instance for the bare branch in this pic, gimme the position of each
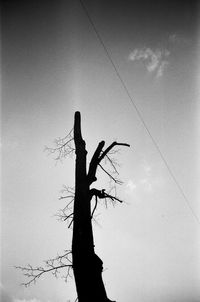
(117, 181)
(70, 223)
(70, 194)
(68, 274)
(110, 147)
(63, 216)
(66, 213)
(95, 206)
(69, 216)
(102, 195)
(52, 265)
(94, 163)
(113, 198)
(68, 190)
(98, 156)
(63, 147)
(113, 163)
(61, 258)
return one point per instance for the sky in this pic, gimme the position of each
(137, 82)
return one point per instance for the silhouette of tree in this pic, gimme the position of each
(87, 266)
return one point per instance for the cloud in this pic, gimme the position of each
(142, 185)
(177, 39)
(155, 60)
(26, 300)
(131, 186)
(163, 65)
(149, 179)
(147, 182)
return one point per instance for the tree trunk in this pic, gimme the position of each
(87, 266)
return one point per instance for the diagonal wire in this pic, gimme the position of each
(138, 112)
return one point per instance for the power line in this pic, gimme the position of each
(137, 110)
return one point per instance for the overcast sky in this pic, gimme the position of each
(54, 64)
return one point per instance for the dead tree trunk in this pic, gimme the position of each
(87, 266)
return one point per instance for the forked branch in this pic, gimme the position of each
(97, 158)
(52, 265)
(110, 147)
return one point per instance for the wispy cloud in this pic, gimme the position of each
(144, 182)
(163, 65)
(149, 180)
(177, 39)
(131, 185)
(155, 60)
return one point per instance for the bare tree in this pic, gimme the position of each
(87, 266)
